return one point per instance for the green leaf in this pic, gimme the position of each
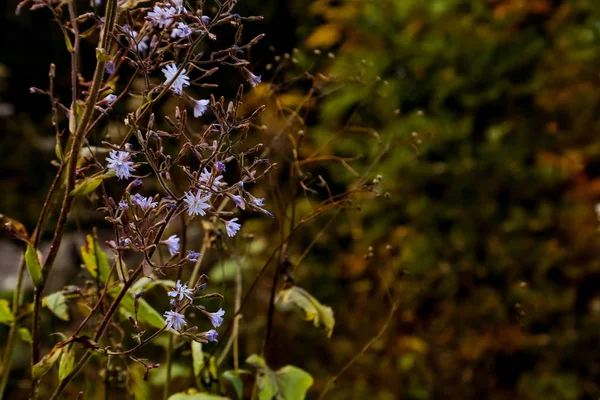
(233, 377)
(46, 363)
(102, 55)
(75, 112)
(95, 259)
(144, 283)
(14, 228)
(197, 357)
(296, 297)
(65, 366)
(86, 186)
(33, 265)
(136, 385)
(57, 303)
(6, 315)
(190, 395)
(288, 383)
(146, 313)
(25, 335)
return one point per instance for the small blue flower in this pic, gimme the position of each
(192, 255)
(172, 244)
(211, 335)
(239, 201)
(119, 162)
(216, 318)
(136, 182)
(174, 320)
(220, 166)
(232, 227)
(146, 203)
(126, 242)
(253, 79)
(123, 205)
(205, 20)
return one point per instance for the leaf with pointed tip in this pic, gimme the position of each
(34, 267)
(57, 303)
(67, 361)
(6, 315)
(287, 383)
(313, 310)
(95, 259)
(197, 357)
(14, 228)
(25, 335)
(45, 364)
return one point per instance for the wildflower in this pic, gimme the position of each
(126, 242)
(172, 244)
(136, 182)
(145, 203)
(220, 166)
(200, 107)
(119, 162)
(182, 30)
(216, 318)
(232, 227)
(239, 201)
(211, 335)
(192, 256)
(258, 201)
(206, 177)
(241, 184)
(136, 197)
(109, 100)
(174, 320)
(205, 20)
(132, 35)
(110, 67)
(123, 205)
(253, 79)
(181, 291)
(178, 83)
(196, 203)
(162, 17)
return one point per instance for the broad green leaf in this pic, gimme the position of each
(33, 265)
(86, 186)
(288, 383)
(190, 395)
(224, 271)
(57, 303)
(46, 363)
(197, 357)
(233, 377)
(95, 259)
(67, 360)
(6, 315)
(144, 283)
(313, 310)
(25, 335)
(146, 313)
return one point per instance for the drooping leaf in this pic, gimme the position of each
(75, 116)
(67, 360)
(25, 335)
(14, 228)
(33, 265)
(144, 283)
(46, 363)
(57, 303)
(197, 357)
(193, 395)
(87, 185)
(313, 310)
(6, 315)
(95, 259)
(288, 383)
(146, 313)
(136, 385)
(234, 379)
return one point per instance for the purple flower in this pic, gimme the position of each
(196, 203)
(123, 205)
(200, 107)
(174, 320)
(173, 244)
(136, 182)
(145, 203)
(110, 67)
(239, 201)
(126, 242)
(119, 162)
(192, 256)
(232, 227)
(220, 166)
(216, 318)
(258, 201)
(181, 31)
(211, 335)
(181, 291)
(205, 20)
(182, 79)
(162, 17)
(253, 79)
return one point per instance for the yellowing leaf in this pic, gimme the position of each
(14, 228)
(313, 310)
(25, 335)
(46, 363)
(324, 36)
(86, 186)
(197, 357)
(33, 265)
(57, 303)
(95, 259)
(6, 315)
(65, 366)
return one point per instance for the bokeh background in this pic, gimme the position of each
(482, 118)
